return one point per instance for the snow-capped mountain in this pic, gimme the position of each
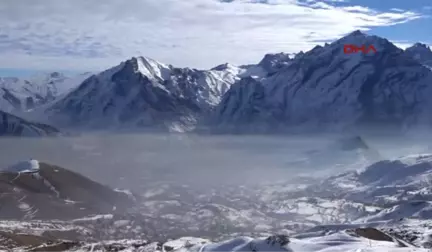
(144, 92)
(420, 52)
(22, 94)
(325, 87)
(11, 125)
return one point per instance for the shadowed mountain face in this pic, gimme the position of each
(11, 125)
(53, 192)
(327, 89)
(420, 52)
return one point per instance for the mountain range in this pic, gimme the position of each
(325, 88)
(322, 89)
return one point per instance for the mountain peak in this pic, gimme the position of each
(359, 39)
(420, 45)
(356, 33)
(150, 67)
(420, 52)
(354, 37)
(55, 74)
(223, 67)
(274, 61)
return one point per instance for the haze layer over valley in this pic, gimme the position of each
(221, 187)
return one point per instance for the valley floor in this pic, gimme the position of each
(272, 209)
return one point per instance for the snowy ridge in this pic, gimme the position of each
(400, 188)
(145, 93)
(17, 94)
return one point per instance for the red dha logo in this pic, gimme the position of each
(349, 49)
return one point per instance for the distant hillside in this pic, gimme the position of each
(11, 125)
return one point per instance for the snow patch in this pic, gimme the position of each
(30, 166)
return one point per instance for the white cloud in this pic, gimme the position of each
(402, 44)
(81, 34)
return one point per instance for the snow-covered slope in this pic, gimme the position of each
(29, 166)
(340, 241)
(23, 94)
(420, 52)
(401, 188)
(11, 125)
(326, 88)
(344, 241)
(144, 92)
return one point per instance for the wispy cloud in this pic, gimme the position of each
(199, 33)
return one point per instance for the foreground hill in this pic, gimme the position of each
(33, 190)
(11, 125)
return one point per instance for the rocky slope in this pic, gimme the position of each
(325, 88)
(11, 125)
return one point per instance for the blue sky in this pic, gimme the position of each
(81, 35)
(415, 30)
